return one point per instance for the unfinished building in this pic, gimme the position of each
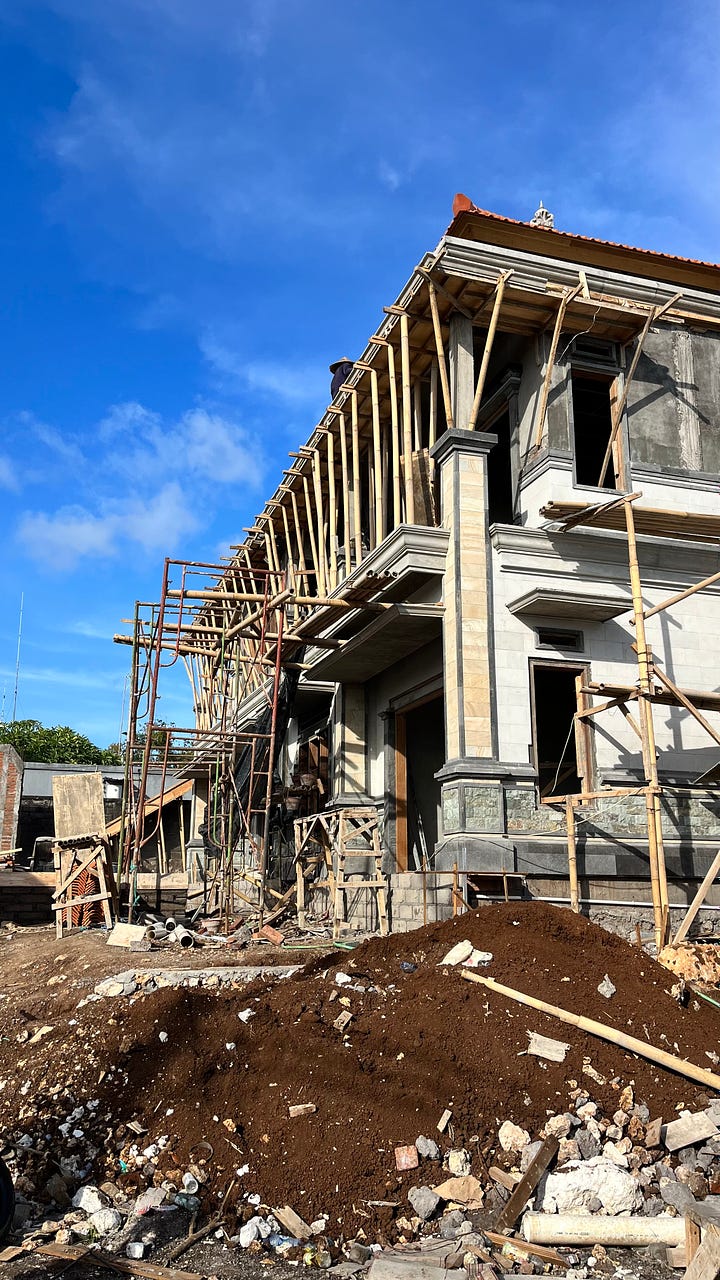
(471, 635)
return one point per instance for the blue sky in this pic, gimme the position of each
(205, 201)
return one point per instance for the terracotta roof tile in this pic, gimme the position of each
(463, 204)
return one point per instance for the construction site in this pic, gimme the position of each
(402, 955)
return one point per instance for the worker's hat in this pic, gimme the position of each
(336, 363)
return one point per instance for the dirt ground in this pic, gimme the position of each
(379, 1052)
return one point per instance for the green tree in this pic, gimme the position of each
(58, 744)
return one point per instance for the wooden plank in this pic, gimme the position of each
(535, 1250)
(693, 1239)
(128, 1267)
(706, 1263)
(78, 804)
(511, 1211)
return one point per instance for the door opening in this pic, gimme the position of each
(419, 755)
(555, 740)
(592, 424)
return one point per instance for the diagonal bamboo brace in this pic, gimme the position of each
(633, 1045)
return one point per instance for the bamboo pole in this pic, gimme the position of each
(395, 436)
(417, 415)
(640, 1047)
(620, 407)
(656, 849)
(567, 297)
(682, 595)
(320, 510)
(288, 544)
(345, 494)
(298, 536)
(572, 855)
(377, 459)
(357, 510)
(332, 505)
(311, 532)
(489, 340)
(695, 905)
(440, 348)
(407, 419)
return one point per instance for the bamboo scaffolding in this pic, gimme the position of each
(440, 349)
(487, 352)
(407, 419)
(345, 494)
(357, 508)
(567, 297)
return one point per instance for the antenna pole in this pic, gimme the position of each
(17, 659)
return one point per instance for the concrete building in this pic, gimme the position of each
(462, 500)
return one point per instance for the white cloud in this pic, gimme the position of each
(8, 475)
(55, 676)
(297, 384)
(73, 533)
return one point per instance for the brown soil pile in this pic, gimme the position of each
(418, 1042)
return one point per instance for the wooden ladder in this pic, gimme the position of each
(358, 827)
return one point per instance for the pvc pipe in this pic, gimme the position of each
(593, 1228)
(596, 902)
(182, 935)
(157, 931)
(170, 924)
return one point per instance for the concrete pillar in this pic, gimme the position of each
(349, 746)
(462, 368)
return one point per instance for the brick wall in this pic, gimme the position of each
(11, 773)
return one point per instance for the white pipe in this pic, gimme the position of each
(593, 1228)
(182, 935)
(170, 924)
(597, 902)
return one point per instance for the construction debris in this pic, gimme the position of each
(100, 1146)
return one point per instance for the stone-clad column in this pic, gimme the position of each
(462, 459)
(473, 811)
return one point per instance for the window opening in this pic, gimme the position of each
(556, 638)
(499, 472)
(592, 423)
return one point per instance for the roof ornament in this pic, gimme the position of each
(543, 218)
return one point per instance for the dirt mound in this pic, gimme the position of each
(419, 1040)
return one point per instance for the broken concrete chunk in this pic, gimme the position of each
(301, 1109)
(424, 1202)
(588, 1144)
(105, 1221)
(458, 1162)
(444, 1120)
(544, 1047)
(136, 1249)
(579, 1188)
(466, 1190)
(460, 952)
(607, 988)
(427, 1148)
(559, 1126)
(343, 1020)
(529, 1153)
(89, 1200)
(689, 1130)
(511, 1137)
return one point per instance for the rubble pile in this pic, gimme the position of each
(371, 1097)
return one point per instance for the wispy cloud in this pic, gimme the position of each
(55, 676)
(291, 383)
(9, 478)
(156, 523)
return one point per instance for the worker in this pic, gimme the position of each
(340, 370)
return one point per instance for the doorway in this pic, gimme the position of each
(419, 755)
(560, 743)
